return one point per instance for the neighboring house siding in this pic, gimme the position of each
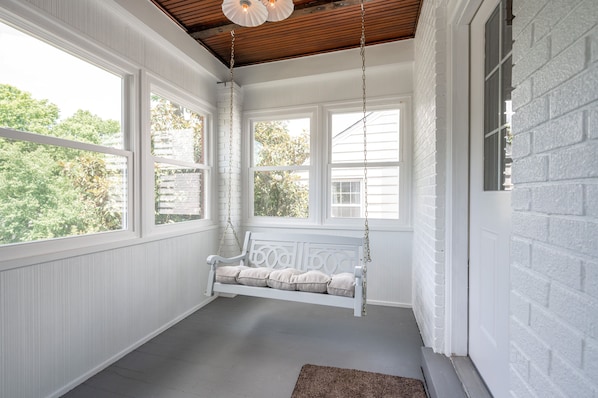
(428, 173)
(554, 264)
(382, 145)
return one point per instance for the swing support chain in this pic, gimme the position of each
(229, 223)
(366, 239)
(364, 120)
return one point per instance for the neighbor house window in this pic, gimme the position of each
(346, 199)
(280, 167)
(64, 163)
(178, 148)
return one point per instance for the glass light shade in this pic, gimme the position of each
(245, 12)
(279, 9)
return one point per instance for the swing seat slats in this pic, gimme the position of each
(330, 258)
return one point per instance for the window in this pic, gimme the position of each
(316, 176)
(497, 99)
(347, 164)
(280, 165)
(64, 165)
(346, 199)
(178, 149)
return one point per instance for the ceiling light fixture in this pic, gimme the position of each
(252, 13)
(278, 9)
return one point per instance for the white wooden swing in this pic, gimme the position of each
(308, 268)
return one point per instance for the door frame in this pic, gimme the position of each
(457, 179)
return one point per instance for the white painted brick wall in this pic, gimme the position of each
(228, 244)
(554, 251)
(564, 131)
(428, 173)
(593, 114)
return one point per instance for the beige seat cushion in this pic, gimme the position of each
(228, 273)
(281, 278)
(342, 284)
(254, 276)
(311, 281)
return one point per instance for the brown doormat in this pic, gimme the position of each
(328, 382)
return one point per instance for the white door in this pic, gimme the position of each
(490, 199)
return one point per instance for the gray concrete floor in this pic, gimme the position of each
(251, 347)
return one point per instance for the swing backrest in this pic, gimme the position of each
(326, 253)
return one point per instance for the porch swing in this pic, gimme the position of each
(309, 268)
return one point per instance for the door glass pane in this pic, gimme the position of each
(491, 163)
(492, 41)
(505, 159)
(497, 99)
(491, 105)
(506, 109)
(507, 28)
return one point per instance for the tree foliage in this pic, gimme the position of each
(19, 111)
(280, 193)
(49, 191)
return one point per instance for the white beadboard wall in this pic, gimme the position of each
(62, 321)
(389, 273)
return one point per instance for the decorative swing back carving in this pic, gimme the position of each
(330, 256)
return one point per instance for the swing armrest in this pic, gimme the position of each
(214, 259)
(358, 272)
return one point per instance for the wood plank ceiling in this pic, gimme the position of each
(315, 27)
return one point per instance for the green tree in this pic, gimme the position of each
(48, 191)
(19, 111)
(83, 126)
(279, 193)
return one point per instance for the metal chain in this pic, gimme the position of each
(365, 141)
(229, 222)
(366, 238)
(230, 137)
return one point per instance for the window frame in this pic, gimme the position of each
(249, 118)
(403, 104)
(53, 34)
(497, 164)
(152, 84)
(320, 167)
